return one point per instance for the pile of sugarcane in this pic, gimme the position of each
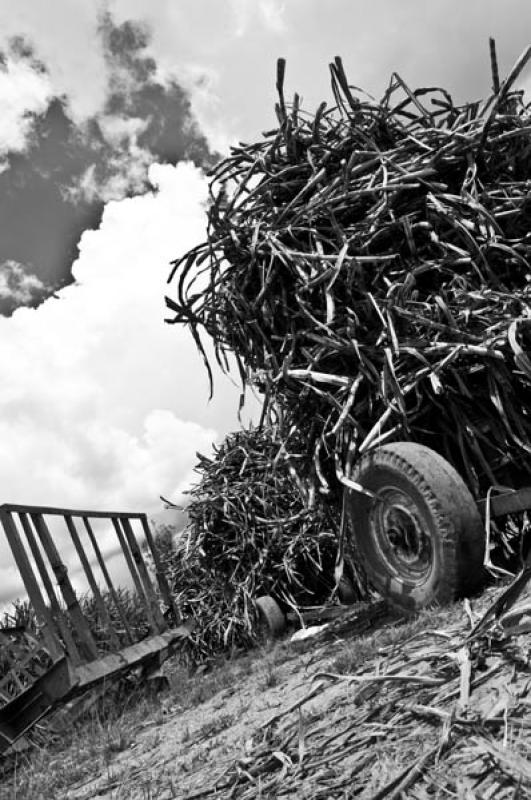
(369, 268)
(252, 531)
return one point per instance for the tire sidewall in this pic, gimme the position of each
(438, 585)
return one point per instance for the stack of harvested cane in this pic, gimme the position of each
(369, 267)
(250, 532)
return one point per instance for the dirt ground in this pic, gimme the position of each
(373, 707)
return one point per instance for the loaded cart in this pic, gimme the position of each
(415, 528)
(61, 654)
(368, 266)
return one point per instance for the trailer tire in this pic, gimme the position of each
(272, 620)
(420, 540)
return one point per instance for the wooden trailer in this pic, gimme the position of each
(62, 657)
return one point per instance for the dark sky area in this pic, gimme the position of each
(56, 188)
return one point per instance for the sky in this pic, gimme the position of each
(112, 112)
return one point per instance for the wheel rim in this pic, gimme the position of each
(400, 533)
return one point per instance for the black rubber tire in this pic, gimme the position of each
(428, 504)
(271, 616)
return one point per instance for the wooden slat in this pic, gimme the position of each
(17, 509)
(67, 590)
(44, 616)
(57, 611)
(108, 581)
(153, 604)
(94, 588)
(131, 566)
(160, 572)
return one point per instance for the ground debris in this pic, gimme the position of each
(402, 726)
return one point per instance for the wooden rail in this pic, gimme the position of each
(42, 568)
(63, 628)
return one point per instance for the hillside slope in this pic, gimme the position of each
(375, 707)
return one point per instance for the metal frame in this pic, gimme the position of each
(506, 501)
(78, 662)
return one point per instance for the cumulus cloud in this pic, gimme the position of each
(217, 123)
(78, 424)
(25, 92)
(58, 169)
(65, 33)
(18, 288)
(102, 405)
(153, 110)
(90, 411)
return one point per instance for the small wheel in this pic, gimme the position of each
(421, 539)
(271, 617)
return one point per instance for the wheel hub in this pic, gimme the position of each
(401, 534)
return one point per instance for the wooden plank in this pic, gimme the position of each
(43, 614)
(160, 572)
(63, 682)
(108, 581)
(510, 502)
(159, 622)
(130, 564)
(14, 507)
(67, 590)
(160, 644)
(94, 588)
(57, 611)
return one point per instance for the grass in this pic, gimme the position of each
(269, 677)
(90, 747)
(22, 614)
(214, 726)
(95, 746)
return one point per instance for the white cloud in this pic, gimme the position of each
(24, 93)
(272, 13)
(84, 418)
(269, 12)
(126, 171)
(18, 285)
(102, 405)
(241, 14)
(66, 36)
(214, 120)
(121, 130)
